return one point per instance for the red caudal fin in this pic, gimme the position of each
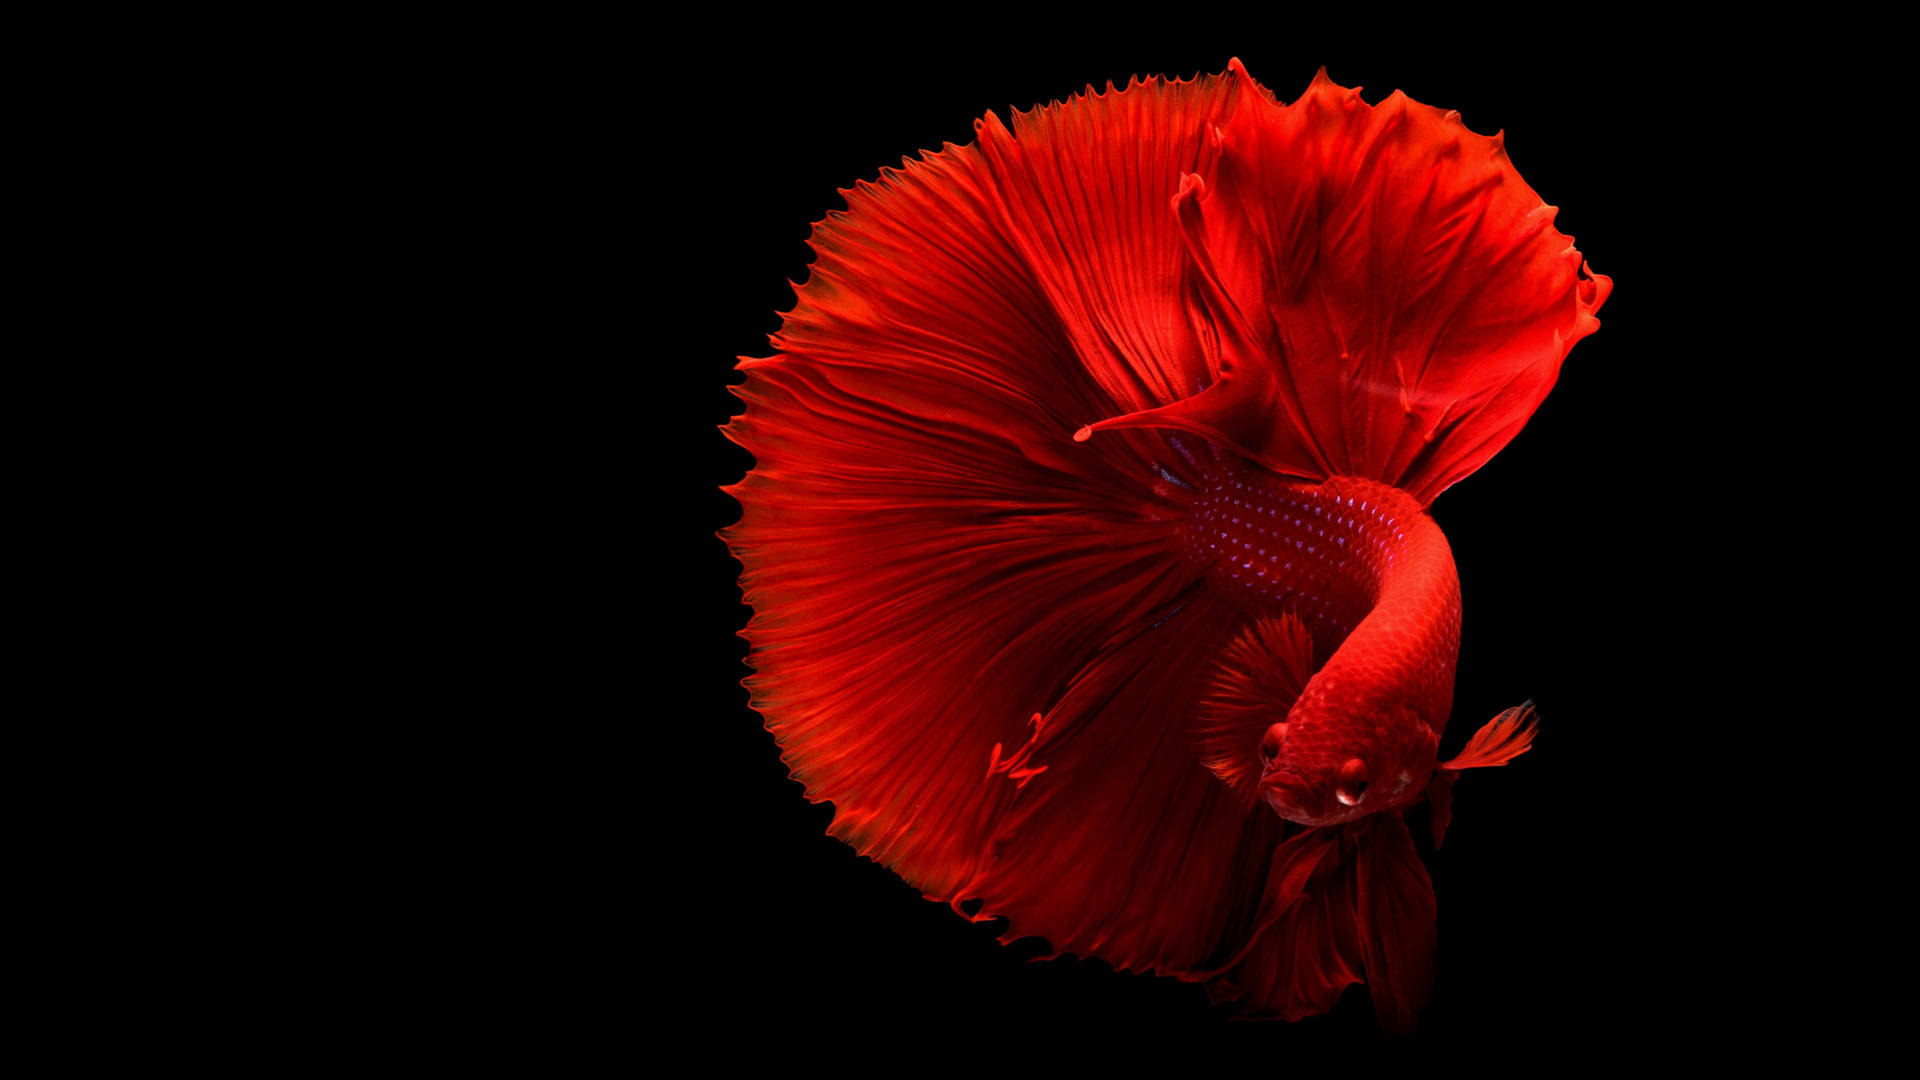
(1084, 188)
(930, 558)
(1383, 295)
(933, 561)
(1125, 847)
(1259, 676)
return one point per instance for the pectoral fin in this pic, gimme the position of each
(1504, 738)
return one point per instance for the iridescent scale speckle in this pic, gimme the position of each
(1320, 551)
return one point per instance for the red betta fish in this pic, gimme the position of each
(1087, 539)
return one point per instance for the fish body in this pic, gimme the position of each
(1371, 578)
(1088, 534)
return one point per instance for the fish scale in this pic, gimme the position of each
(1372, 578)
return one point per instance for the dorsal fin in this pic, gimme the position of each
(1375, 289)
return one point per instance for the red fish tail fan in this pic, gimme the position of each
(1383, 295)
(927, 570)
(976, 637)
(1125, 847)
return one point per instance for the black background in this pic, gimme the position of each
(1572, 888)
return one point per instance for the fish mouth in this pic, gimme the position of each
(1290, 795)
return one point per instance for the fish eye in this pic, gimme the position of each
(1351, 784)
(1270, 743)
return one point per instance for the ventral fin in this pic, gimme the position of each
(1440, 802)
(1290, 873)
(1397, 915)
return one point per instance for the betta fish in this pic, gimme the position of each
(1088, 539)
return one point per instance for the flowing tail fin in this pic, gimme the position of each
(1376, 290)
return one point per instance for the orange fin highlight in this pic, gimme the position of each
(1504, 738)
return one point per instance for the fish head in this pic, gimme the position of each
(1337, 758)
